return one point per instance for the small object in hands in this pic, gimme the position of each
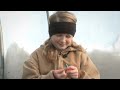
(67, 67)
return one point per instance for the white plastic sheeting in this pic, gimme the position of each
(23, 33)
(1, 54)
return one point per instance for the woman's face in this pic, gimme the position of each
(61, 41)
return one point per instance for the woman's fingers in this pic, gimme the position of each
(72, 71)
(59, 71)
(60, 74)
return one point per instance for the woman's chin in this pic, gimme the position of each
(62, 48)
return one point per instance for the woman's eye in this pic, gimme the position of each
(68, 36)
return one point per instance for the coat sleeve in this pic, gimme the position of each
(31, 69)
(88, 70)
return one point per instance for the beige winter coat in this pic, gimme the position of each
(38, 67)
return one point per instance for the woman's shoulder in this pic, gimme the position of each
(37, 50)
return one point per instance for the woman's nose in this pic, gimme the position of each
(63, 39)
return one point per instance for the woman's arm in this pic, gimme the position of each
(31, 69)
(88, 70)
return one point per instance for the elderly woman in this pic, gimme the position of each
(60, 57)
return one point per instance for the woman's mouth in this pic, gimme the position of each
(62, 44)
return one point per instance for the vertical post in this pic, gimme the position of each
(1, 53)
(47, 12)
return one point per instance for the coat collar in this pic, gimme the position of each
(72, 49)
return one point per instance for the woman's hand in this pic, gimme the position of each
(59, 74)
(72, 72)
